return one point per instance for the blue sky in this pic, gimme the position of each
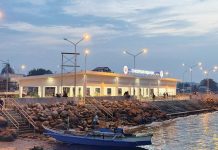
(174, 32)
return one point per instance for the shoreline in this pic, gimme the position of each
(155, 113)
(25, 143)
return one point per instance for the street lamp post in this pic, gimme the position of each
(85, 37)
(135, 55)
(134, 59)
(85, 77)
(214, 69)
(183, 79)
(199, 64)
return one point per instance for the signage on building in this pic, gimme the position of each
(139, 72)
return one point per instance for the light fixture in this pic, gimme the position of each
(86, 37)
(145, 50)
(200, 64)
(23, 66)
(87, 51)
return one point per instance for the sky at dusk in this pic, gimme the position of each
(174, 32)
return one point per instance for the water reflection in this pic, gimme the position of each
(197, 132)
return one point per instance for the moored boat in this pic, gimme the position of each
(99, 138)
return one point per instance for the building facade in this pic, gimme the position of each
(96, 84)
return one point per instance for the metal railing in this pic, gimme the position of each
(19, 108)
(9, 117)
(99, 106)
(93, 105)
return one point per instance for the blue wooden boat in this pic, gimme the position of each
(103, 137)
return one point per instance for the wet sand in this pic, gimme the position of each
(26, 144)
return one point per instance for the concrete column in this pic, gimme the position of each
(71, 92)
(56, 90)
(20, 91)
(39, 91)
(102, 89)
(117, 86)
(43, 91)
(59, 89)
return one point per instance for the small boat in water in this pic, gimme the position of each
(101, 137)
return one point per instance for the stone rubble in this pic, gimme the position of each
(80, 117)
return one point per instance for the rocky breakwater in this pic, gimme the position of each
(6, 134)
(80, 117)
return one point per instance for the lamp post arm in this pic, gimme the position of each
(139, 53)
(70, 41)
(79, 41)
(129, 53)
(73, 42)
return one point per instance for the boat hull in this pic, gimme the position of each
(100, 142)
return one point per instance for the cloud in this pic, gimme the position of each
(185, 18)
(35, 2)
(52, 34)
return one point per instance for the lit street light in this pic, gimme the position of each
(206, 73)
(199, 64)
(23, 67)
(85, 77)
(144, 51)
(85, 37)
(166, 73)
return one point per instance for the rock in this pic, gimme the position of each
(42, 118)
(8, 135)
(138, 119)
(37, 148)
(64, 114)
(61, 126)
(3, 122)
(49, 118)
(54, 114)
(39, 106)
(45, 123)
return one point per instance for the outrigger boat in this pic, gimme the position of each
(102, 137)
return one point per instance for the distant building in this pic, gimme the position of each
(8, 81)
(98, 84)
(102, 69)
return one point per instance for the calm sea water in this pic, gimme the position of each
(197, 132)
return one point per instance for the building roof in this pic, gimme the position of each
(109, 74)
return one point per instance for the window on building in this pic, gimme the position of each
(146, 91)
(88, 91)
(97, 91)
(79, 94)
(74, 91)
(49, 91)
(67, 90)
(109, 91)
(120, 91)
(32, 91)
(151, 91)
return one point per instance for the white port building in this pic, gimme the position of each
(97, 84)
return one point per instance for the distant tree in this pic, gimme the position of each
(194, 88)
(39, 71)
(212, 84)
(179, 85)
